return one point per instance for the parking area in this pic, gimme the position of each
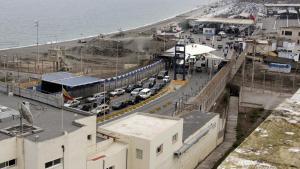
(107, 102)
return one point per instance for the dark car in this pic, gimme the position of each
(162, 74)
(158, 86)
(103, 99)
(133, 100)
(129, 88)
(118, 105)
(154, 91)
(88, 107)
(152, 82)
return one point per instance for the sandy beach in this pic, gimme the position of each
(31, 50)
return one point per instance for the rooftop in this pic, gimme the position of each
(274, 144)
(146, 126)
(194, 121)
(69, 79)
(45, 117)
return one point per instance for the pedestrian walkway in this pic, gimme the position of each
(230, 136)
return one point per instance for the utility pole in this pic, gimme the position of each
(37, 46)
(254, 55)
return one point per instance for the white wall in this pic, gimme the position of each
(165, 138)
(8, 150)
(196, 153)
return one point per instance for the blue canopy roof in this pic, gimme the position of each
(69, 79)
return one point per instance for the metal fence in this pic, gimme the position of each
(110, 84)
(133, 76)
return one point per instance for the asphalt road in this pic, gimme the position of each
(165, 105)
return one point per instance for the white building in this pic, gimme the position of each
(136, 141)
(291, 33)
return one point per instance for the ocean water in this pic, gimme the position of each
(61, 20)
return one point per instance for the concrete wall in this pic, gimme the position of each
(53, 100)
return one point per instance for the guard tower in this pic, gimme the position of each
(179, 61)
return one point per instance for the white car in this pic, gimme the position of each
(72, 103)
(117, 92)
(136, 91)
(145, 93)
(166, 79)
(101, 110)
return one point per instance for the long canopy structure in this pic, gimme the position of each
(282, 5)
(193, 50)
(225, 21)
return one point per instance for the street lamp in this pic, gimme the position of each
(116, 81)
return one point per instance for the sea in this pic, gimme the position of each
(61, 20)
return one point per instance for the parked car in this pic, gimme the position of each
(133, 100)
(152, 82)
(117, 92)
(101, 110)
(87, 107)
(159, 86)
(72, 103)
(145, 93)
(136, 91)
(118, 105)
(129, 88)
(166, 79)
(154, 91)
(231, 37)
(103, 99)
(207, 38)
(162, 74)
(91, 99)
(219, 38)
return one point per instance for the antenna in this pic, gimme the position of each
(25, 113)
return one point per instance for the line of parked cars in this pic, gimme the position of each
(102, 103)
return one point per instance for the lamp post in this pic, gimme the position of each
(116, 81)
(37, 46)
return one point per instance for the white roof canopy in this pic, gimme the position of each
(194, 49)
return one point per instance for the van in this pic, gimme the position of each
(145, 93)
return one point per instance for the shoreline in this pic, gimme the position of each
(155, 24)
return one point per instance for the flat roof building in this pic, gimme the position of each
(64, 140)
(290, 33)
(161, 142)
(77, 85)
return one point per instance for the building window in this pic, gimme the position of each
(89, 137)
(282, 32)
(288, 33)
(139, 153)
(53, 163)
(175, 138)
(111, 167)
(159, 149)
(8, 164)
(299, 34)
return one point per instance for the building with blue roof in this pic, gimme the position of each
(76, 85)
